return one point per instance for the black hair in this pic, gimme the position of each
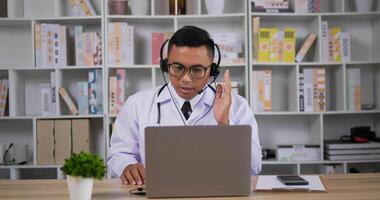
(192, 36)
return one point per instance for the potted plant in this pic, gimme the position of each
(81, 170)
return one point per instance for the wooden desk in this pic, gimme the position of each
(343, 186)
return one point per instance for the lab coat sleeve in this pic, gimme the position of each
(241, 114)
(124, 149)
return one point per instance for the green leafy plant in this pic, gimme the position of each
(86, 165)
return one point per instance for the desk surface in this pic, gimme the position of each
(342, 186)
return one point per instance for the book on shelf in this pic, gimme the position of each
(301, 91)
(53, 88)
(4, 86)
(158, 39)
(120, 91)
(68, 100)
(231, 48)
(120, 44)
(325, 41)
(50, 45)
(82, 97)
(353, 89)
(81, 8)
(264, 45)
(345, 46)
(46, 99)
(95, 91)
(313, 90)
(314, 6)
(351, 151)
(339, 145)
(45, 142)
(62, 140)
(289, 45)
(262, 90)
(80, 132)
(270, 6)
(255, 37)
(274, 45)
(335, 38)
(306, 45)
(112, 95)
(88, 47)
(353, 157)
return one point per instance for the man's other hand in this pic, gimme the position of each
(133, 174)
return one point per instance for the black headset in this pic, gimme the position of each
(214, 66)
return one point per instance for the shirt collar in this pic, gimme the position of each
(207, 95)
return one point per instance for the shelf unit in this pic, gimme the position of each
(17, 63)
(286, 124)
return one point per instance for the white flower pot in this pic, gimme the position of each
(214, 7)
(363, 5)
(80, 188)
(138, 7)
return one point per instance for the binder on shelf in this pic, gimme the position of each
(62, 140)
(264, 45)
(81, 135)
(346, 46)
(289, 45)
(353, 89)
(274, 45)
(69, 102)
(45, 142)
(325, 41)
(262, 90)
(335, 35)
(306, 46)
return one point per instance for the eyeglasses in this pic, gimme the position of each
(196, 71)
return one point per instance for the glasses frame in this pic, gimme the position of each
(188, 69)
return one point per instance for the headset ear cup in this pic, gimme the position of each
(214, 70)
(164, 65)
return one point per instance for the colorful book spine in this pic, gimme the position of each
(262, 94)
(255, 37)
(37, 44)
(120, 91)
(310, 39)
(62, 45)
(112, 95)
(69, 102)
(50, 45)
(79, 60)
(335, 34)
(95, 91)
(319, 89)
(128, 44)
(289, 46)
(264, 45)
(274, 45)
(82, 97)
(346, 46)
(56, 44)
(158, 38)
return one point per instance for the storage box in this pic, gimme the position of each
(62, 140)
(299, 153)
(45, 142)
(81, 135)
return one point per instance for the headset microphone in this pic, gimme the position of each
(208, 85)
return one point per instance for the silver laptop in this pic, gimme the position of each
(200, 161)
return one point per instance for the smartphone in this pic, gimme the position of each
(292, 180)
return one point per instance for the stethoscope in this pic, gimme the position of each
(177, 108)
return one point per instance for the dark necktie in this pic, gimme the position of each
(186, 109)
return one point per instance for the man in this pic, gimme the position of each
(185, 100)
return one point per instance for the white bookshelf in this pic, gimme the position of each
(17, 63)
(286, 124)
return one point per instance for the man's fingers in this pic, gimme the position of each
(124, 179)
(136, 175)
(142, 172)
(219, 91)
(130, 178)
